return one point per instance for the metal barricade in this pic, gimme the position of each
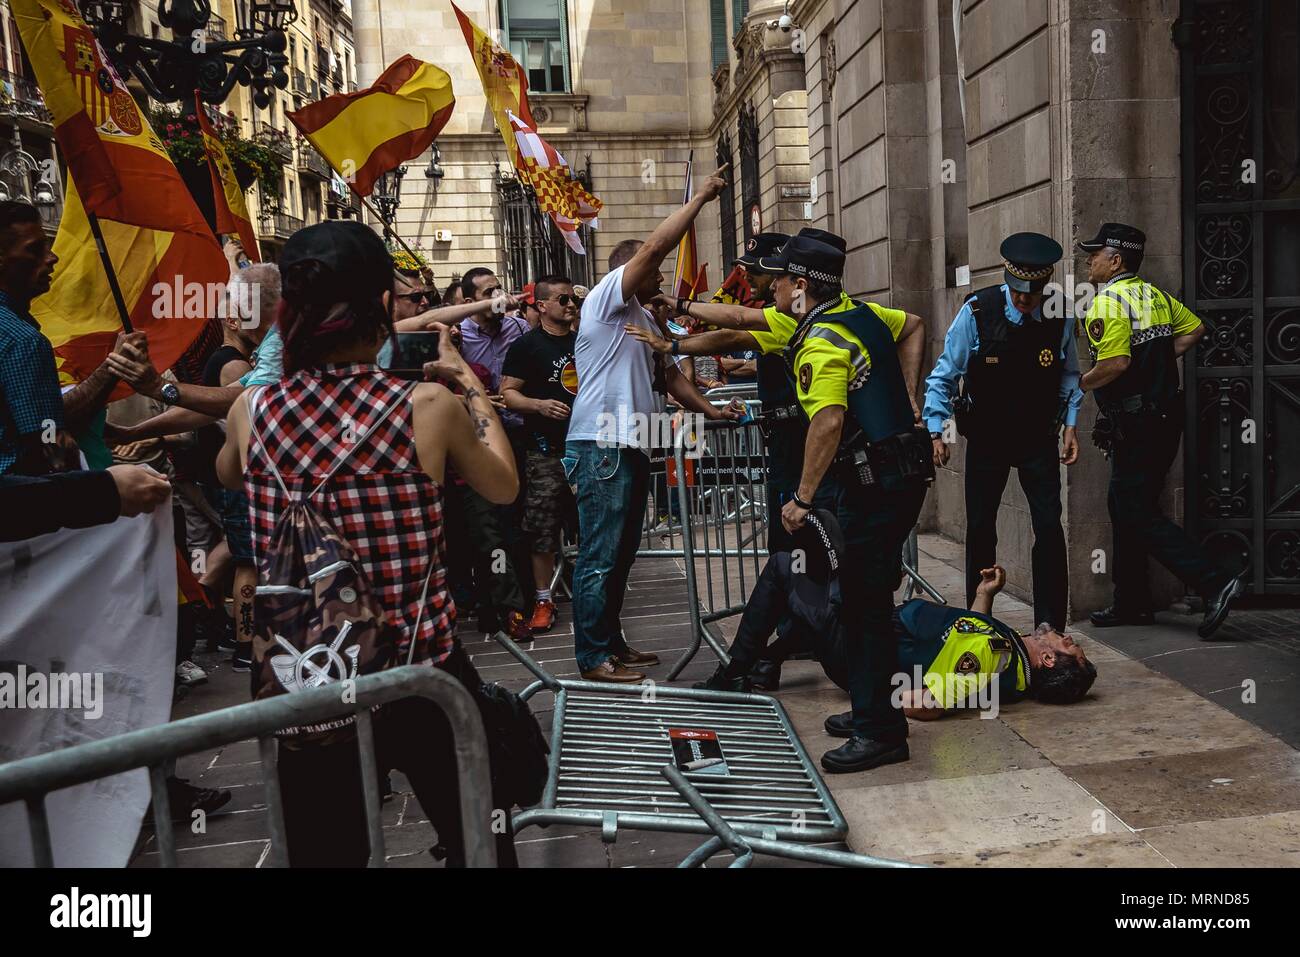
(30, 779)
(722, 491)
(744, 846)
(608, 742)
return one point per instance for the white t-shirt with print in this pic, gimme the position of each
(616, 370)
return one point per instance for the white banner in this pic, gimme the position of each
(87, 651)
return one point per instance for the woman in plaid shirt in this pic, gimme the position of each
(386, 500)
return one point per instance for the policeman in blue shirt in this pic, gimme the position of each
(1010, 373)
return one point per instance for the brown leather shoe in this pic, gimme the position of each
(612, 671)
(633, 657)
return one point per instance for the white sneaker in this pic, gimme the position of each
(188, 674)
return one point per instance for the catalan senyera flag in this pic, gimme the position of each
(734, 291)
(169, 280)
(504, 82)
(120, 167)
(365, 134)
(232, 210)
(559, 193)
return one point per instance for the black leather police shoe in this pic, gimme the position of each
(1112, 617)
(766, 675)
(863, 754)
(1216, 607)
(718, 681)
(840, 725)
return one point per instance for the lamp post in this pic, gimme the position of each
(388, 197)
(171, 70)
(22, 177)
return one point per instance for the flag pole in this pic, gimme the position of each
(110, 272)
(686, 198)
(374, 212)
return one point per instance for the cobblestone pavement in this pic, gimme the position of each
(1164, 764)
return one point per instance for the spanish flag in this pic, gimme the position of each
(172, 281)
(120, 167)
(232, 211)
(689, 277)
(504, 83)
(365, 134)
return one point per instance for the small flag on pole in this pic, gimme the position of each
(232, 210)
(559, 193)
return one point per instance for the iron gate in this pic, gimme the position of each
(531, 243)
(1241, 247)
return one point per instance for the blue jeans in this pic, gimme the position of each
(612, 487)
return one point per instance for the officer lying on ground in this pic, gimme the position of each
(957, 653)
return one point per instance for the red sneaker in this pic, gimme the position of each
(543, 616)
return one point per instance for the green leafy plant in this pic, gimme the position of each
(253, 160)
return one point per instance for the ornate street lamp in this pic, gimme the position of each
(388, 197)
(171, 70)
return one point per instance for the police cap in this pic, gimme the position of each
(1117, 236)
(764, 244)
(807, 259)
(822, 236)
(815, 595)
(1027, 261)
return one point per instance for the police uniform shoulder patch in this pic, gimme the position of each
(965, 626)
(1095, 330)
(967, 663)
(1045, 358)
(805, 376)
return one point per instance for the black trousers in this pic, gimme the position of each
(876, 522)
(1139, 464)
(1039, 469)
(324, 803)
(478, 543)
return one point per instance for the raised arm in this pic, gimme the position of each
(645, 263)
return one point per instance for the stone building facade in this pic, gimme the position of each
(924, 131)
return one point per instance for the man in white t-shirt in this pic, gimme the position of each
(606, 454)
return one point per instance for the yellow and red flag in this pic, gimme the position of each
(504, 82)
(559, 193)
(120, 167)
(689, 277)
(232, 211)
(172, 282)
(365, 134)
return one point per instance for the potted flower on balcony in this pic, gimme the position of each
(253, 161)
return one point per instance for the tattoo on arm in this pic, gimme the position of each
(481, 422)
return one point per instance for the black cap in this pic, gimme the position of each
(764, 244)
(814, 582)
(822, 236)
(1027, 261)
(349, 250)
(1117, 236)
(808, 259)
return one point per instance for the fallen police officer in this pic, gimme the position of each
(950, 658)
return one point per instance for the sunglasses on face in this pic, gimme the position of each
(414, 297)
(565, 300)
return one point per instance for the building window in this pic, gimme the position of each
(727, 202)
(718, 31)
(532, 245)
(536, 33)
(739, 10)
(749, 188)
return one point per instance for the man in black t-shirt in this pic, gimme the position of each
(540, 380)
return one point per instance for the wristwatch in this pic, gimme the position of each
(170, 393)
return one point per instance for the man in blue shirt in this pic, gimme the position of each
(1018, 370)
(35, 417)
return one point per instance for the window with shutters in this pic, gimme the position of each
(536, 32)
(739, 10)
(718, 31)
(749, 183)
(727, 202)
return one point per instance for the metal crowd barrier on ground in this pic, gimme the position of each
(608, 743)
(30, 779)
(744, 847)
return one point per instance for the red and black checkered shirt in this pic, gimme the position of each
(379, 500)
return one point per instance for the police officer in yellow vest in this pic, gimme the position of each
(1136, 332)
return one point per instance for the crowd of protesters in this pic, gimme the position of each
(453, 433)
